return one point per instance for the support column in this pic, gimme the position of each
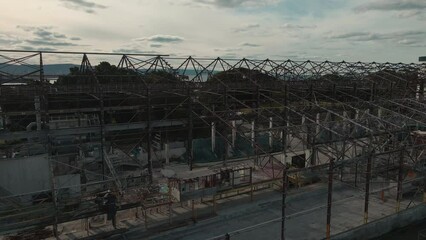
(400, 178)
(380, 112)
(166, 153)
(53, 186)
(367, 187)
(284, 195)
(422, 86)
(38, 112)
(102, 131)
(213, 136)
(270, 131)
(252, 134)
(330, 197)
(190, 128)
(148, 132)
(234, 132)
(251, 184)
(284, 151)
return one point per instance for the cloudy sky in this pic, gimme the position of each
(351, 30)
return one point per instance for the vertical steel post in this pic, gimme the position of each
(330, 197)
(224, 130)
(356, 174)
(148, 132)
(422, 86)
(102, 130)
(284, 178)
(41, 68)
(190, 130)
(251, 184)
(255, 126)
(284, 195)
(53, 186)
(367, 187)
(400, 178)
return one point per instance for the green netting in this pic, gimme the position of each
(203, 153)
(202, 148)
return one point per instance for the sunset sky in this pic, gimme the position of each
(351, 30)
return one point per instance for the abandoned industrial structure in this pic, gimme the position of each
(162, 132)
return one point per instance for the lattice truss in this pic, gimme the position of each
(345, 111)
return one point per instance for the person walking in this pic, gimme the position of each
(111, 208)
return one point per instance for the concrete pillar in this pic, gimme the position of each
(288, 133)
(213, 136)
(317, 120)
(38, 114)
(252, 134)
(345, 115)
(234, 133)
(418, 88)
(166, 153)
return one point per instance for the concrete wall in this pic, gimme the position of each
(382, 226)
(25, 175)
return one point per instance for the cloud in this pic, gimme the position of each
(412, 43)
(6, 39)
(227, 50)
(238, 3)
(246, 28)
(50, 43)
(155, 45)
(392, 5)
(46, 36)
(369, 36)
(296, 26)
(29, 48)
(83, 5)
(162, 39)
(404, 8)
(246, 44)
(134, 51)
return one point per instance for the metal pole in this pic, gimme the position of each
(356, 174)
(190, 128)
(284, 179)
(367, 187)
(330, 197)
(148, 131)
(102, 131)
(224, 131)
(251, 184)
(400, 178)
(41, 68)
(422, 86)
(284, 195)
(53, 188)
(255, 126)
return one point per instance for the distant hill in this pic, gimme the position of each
(49, 69)
(64, 69)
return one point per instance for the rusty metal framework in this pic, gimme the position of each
(352, 121)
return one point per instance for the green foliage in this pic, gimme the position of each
(241, 75)
(105, 73)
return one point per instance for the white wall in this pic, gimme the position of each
(25, 175)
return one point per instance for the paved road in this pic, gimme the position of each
(306, 216)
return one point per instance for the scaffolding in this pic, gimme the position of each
(93, 130)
